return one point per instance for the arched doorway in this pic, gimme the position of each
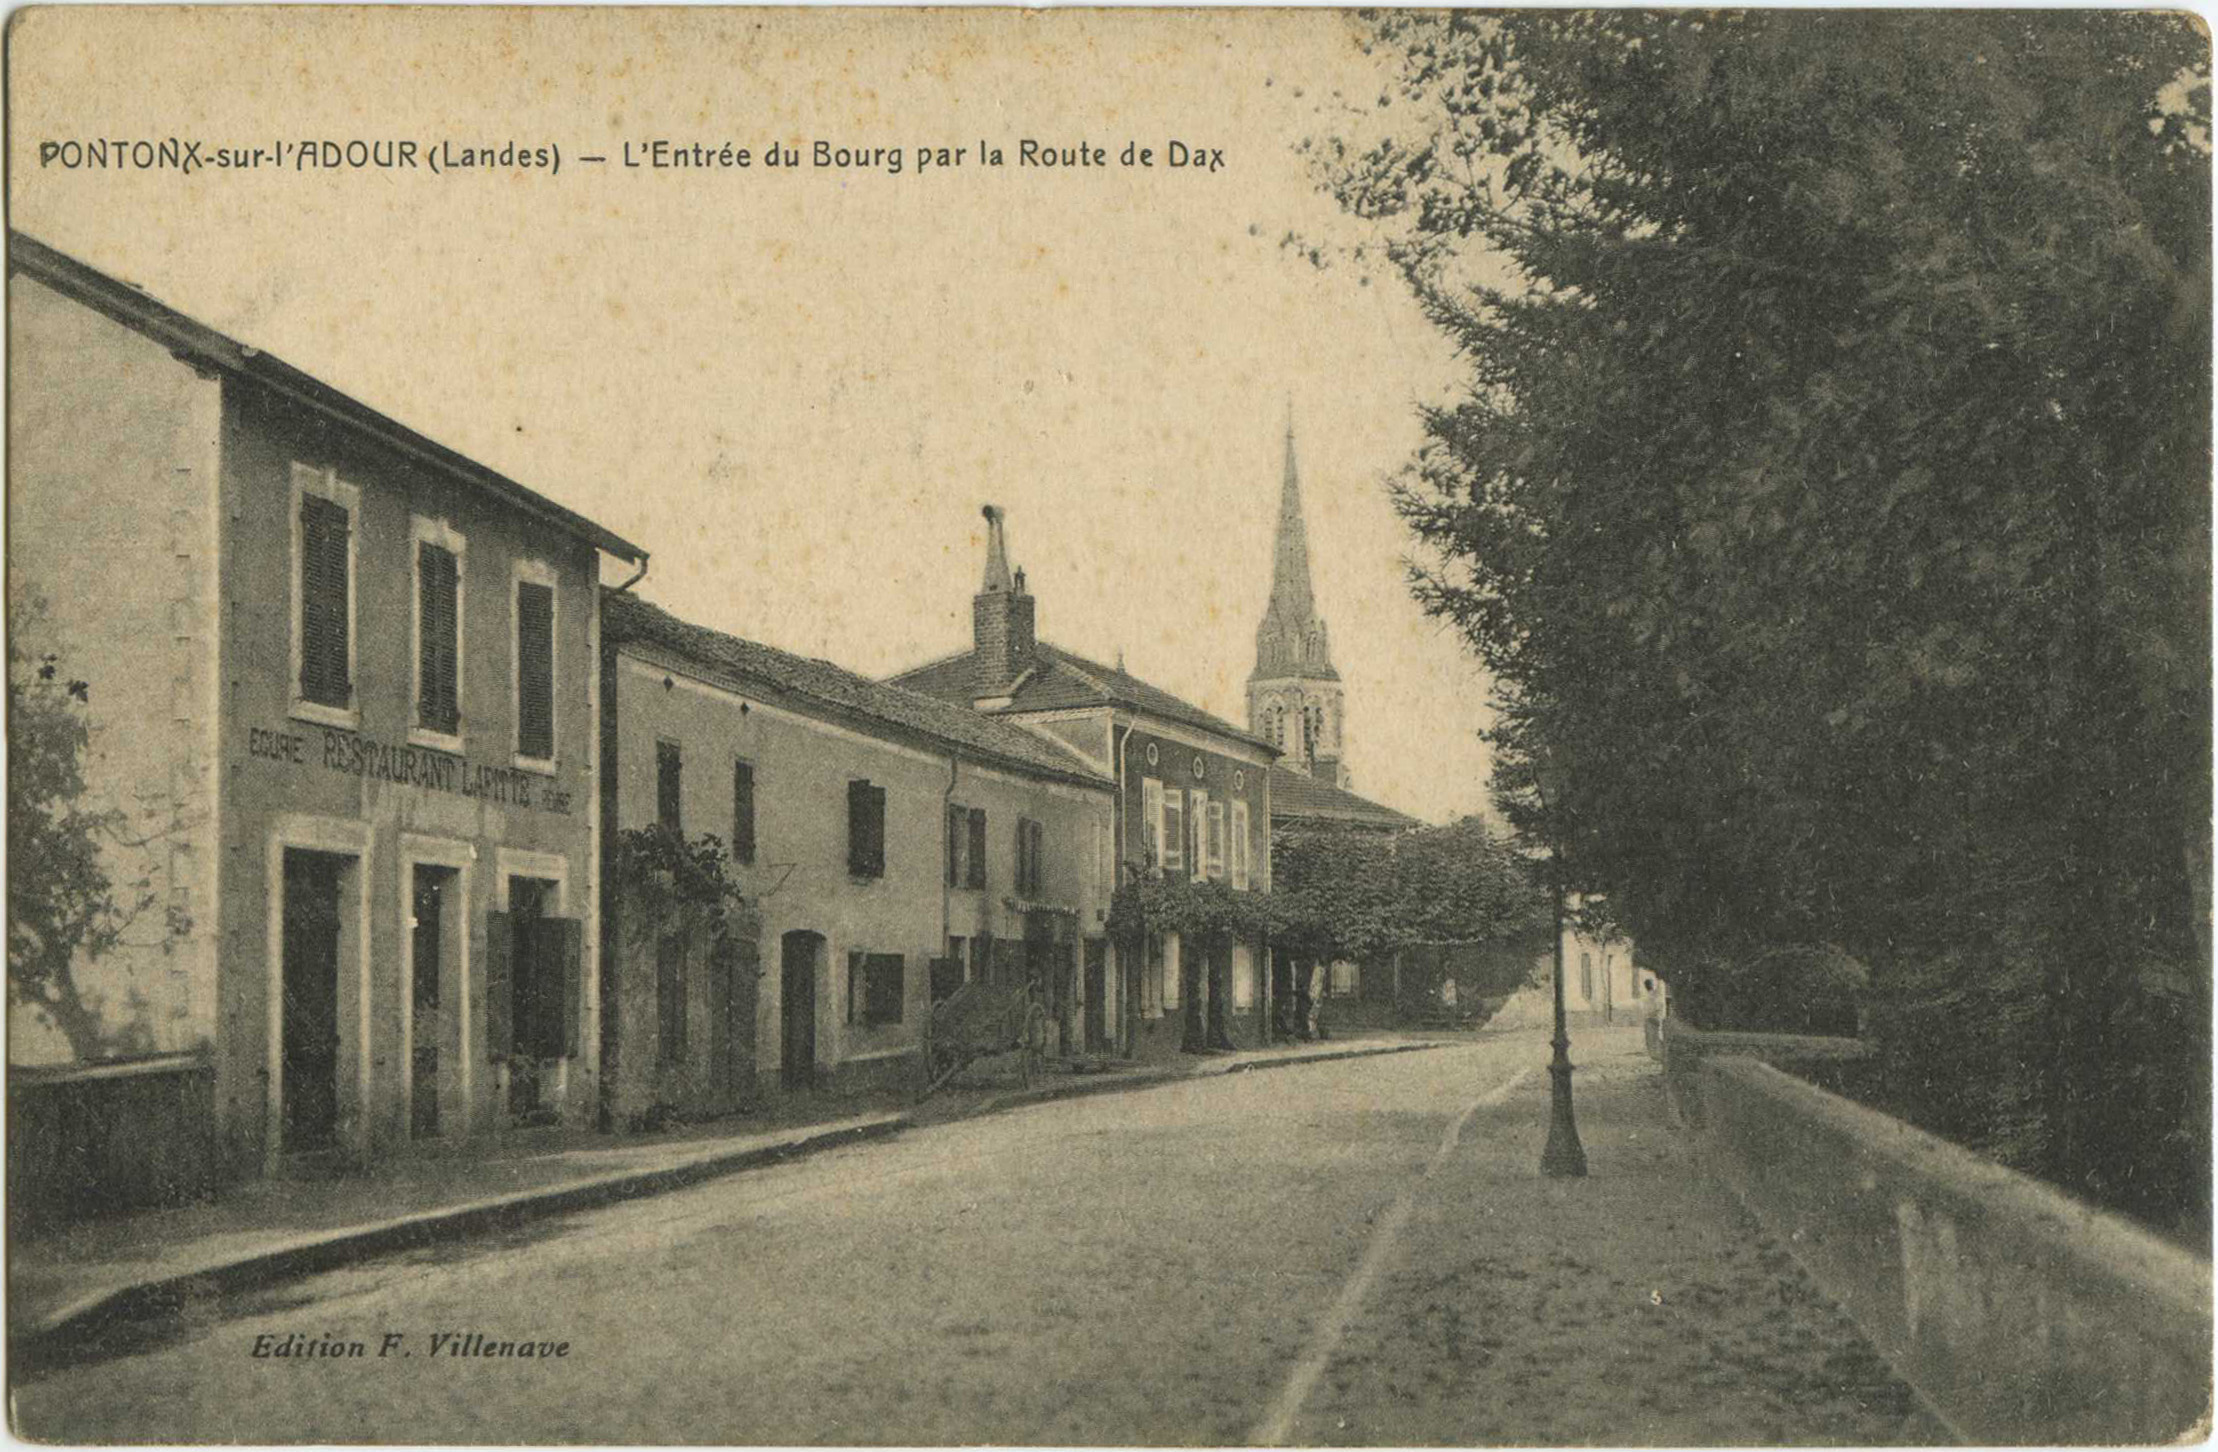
(800, 952)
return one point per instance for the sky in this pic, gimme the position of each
(796, 386)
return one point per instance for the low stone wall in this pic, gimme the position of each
(102, 1138)
(1683, 1048)
(2019, 1314)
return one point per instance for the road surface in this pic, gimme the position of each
(1356, 1252)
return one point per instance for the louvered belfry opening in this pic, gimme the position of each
(324, 675)
(535, 670)
(439, 578)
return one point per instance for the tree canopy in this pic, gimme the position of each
(1345, 892)
(1830, 504)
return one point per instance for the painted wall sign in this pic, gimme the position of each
(354, 754)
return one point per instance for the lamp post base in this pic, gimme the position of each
(1565, 1157)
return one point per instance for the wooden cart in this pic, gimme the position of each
(980, 1020)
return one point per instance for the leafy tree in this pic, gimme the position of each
(1830, 503)
(1345, 892)
(64, 906)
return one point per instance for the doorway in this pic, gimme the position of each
(535, 988)
(433, 910)
(797, 1008)
(309, 1026)
(1097, 995)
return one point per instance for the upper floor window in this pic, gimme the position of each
(1151, 819)
(975, 865)
(1198, 814)
(1240, 845)
(743, 812)
(866, 829)
(1031, 852)
(1171, 839)
(535, 664)
(438, 564)
(669, 786)
(325, 511)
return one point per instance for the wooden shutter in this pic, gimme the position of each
(1216, 839)
(958, 835)
(669, 785)
(670, 1000)
(866, 829)
(1151, 819)
(324, 614)
(977, 862)
(500, 985)
(563, 947)
(743, 812)
(438, 588)
(885, 985)
(534, 670)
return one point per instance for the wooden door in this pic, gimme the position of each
(309, 1051)
(1097, 995)
(797, 1009)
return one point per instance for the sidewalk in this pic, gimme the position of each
(68, 1286)
(1640, 1306)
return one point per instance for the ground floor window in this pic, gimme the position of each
(875, 988)
(1345, 980)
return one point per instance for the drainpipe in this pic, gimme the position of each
(625, 588)
(947, 868)
(1127, 1000)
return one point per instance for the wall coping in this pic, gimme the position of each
(2152, 1266)
(44, 1076)
(1677, 1031)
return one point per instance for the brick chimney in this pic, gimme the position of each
(1001, 620)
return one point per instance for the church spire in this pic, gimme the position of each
(1291, 599)
(1294, 694)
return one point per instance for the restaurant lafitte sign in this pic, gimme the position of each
(353, 754)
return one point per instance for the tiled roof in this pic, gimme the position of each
(1061, 679)
(1294, 794)
(626, 617)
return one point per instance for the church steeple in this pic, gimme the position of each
(1294, 692)
(1290, 592)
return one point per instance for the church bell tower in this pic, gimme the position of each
(1294, 692)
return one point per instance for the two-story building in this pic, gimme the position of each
(339, 691)
(1193, 801)
(887, 847)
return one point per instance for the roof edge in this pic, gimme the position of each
(204, 346)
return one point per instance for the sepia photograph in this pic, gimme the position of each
(1108, 727)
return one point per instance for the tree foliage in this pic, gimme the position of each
(1344, 892)
(65, 907)
(1830, 503)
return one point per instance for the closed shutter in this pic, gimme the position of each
(958, 834)
(977, 863)
(500, 985)
(438, 587)
(1197, 813)
(323, 602)
(1240, 845)
(670, 1000)
(669, 786)
(885, 984)
(534, 670)
(1023, 857)
(1038, 830)
(563, 947)
(1216, 839)
(866, 829)
(743, 812)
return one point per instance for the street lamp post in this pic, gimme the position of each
(1564, 1157)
